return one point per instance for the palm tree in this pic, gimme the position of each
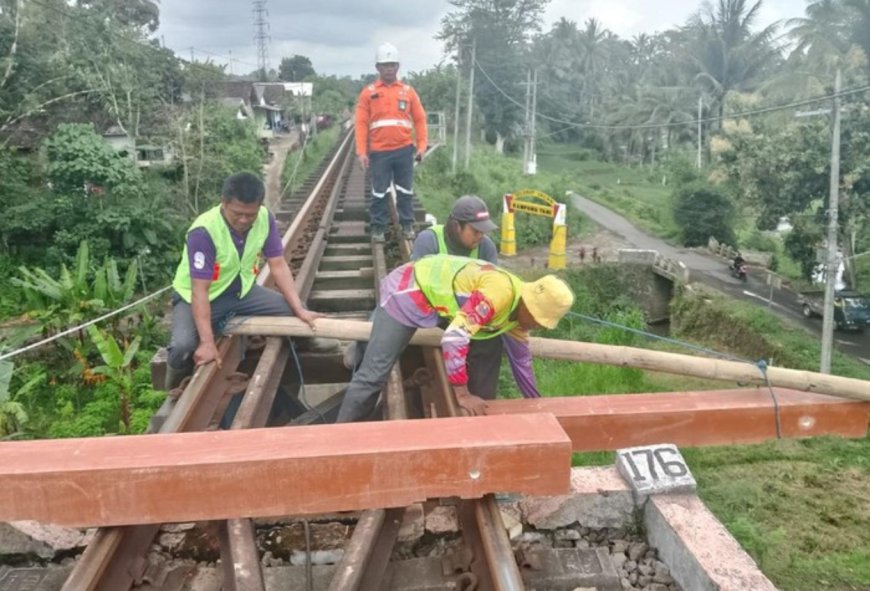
(592, 42)
(726, 53)
(830, 31)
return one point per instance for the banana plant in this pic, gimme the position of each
(118, 367)
(12, 414)
(63, 301)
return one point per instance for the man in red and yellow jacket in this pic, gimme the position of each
(387, 112)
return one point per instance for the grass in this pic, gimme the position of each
(800, 507)
(492, 176)
(315, 150)
(642, 195)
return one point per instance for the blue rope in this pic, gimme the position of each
(761, 364)
(654, 336)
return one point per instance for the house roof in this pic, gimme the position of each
(271, 93)
(238, 89)
(114, 131)
(24, 135)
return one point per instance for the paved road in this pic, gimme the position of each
(279, 146)
(713, 271)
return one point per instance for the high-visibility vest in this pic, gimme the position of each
(435, 275)
(442, 244)
(227, 265)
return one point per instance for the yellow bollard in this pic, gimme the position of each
(508, 234)
(558, 247)
(559, 243)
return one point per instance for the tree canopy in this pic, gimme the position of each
(295, 69)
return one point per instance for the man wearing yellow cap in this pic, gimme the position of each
(480, 300)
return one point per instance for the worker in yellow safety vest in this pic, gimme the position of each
(479, 300)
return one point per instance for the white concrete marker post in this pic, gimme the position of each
(654, 469)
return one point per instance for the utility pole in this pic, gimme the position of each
(527, 123)
(533, 157)
(700, 113)
(456, 109)
(191, 54)
(261, 37)
(231, 62)
(470, 102)
(833, 227)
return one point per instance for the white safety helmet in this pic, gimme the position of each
(386, 54)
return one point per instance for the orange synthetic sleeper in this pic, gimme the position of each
(111, 481)
(715, 417)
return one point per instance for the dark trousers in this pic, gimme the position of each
(484, 363)
(260, 301)
(388, 340)
(397, 167)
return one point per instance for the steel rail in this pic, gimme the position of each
(115, 559)
(242, 570)
(486, 531)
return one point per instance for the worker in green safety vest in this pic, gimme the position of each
(216, 278)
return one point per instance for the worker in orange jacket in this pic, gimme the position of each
(387, 112)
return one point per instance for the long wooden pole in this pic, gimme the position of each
(674, 363)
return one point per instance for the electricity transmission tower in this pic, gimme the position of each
(261, 36)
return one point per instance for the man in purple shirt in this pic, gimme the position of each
(216, 278)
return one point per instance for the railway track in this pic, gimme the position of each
(337, 271)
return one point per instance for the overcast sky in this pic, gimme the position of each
(340, 36)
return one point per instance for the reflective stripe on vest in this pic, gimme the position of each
(435, 275)
(391, 123)
(442, 244)
(228, 266)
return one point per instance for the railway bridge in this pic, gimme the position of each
(420, 461)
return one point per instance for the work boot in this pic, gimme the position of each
(317, 344)
(348, 359)
(378, 234)
(408, 232)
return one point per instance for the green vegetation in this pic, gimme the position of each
(703, 210)
(641, 195)
(705, 317)
(799, 507)
(617, 122)
(491, 176)
(301, 163)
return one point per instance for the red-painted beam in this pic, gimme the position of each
(716, 417)
(267, 472)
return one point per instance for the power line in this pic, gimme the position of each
(229, 59)
(84, 325)
(574, 124)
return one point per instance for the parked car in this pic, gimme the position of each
(851, 309)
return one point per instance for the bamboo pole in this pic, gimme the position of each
(673, 363)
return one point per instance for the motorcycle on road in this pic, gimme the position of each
(738, 271)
